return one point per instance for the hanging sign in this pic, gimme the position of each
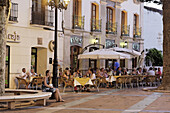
(76, 40)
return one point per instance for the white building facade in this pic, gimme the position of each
(88, 25)
(153, 28)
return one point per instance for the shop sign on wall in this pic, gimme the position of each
(76, 40)
(14, 38)
(110, 43)
(136, 46)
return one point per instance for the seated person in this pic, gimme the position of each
(105, 73)
(98, 75)
(124, 72)
(151, 71)
(89, 73)
(139, 72)
(118, 72)
(32, 73)
(24, 75)
(93, 76)
(134, 72)
(77, 73)
(67, 73)
(48, 88)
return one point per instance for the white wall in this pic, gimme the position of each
(153, 30)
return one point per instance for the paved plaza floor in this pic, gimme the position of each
(106, 101)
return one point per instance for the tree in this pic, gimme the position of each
(155, 57)
(3, 20)
(166, 46)
(166, 43)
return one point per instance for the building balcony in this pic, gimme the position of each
(14, 13)
(96, 25)
(78, 22)
(111, 28)
(125, 30)
(42, 17)
(137, 32)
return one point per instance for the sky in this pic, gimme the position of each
(153, 5)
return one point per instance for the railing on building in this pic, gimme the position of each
(14, 12)
(137, 32)
(125, 30)
(96, 25)
(42, 17)
(78, 22)
(111, 28)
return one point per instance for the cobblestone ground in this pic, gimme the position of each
(106, 101)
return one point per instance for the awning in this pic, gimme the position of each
(132, 52)
(104, 54)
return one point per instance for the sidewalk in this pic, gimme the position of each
(106, 101)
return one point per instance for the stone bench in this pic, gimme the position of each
(28, 95)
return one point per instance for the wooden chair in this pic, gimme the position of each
(120, 80)
(95, 84)
(135, 80)
(23, 82)
(103, 81)
(141, 80)
(68, 83)
(37, 81)
(128, 80)
(152, 80)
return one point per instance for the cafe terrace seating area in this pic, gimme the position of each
(124, 81)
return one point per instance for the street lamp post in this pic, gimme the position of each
(56, 4)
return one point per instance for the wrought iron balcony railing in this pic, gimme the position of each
(78, 22)
(125, 30)
(137, 32)
(111, 28)
(96, 25)
(14, 12)
(42, 17)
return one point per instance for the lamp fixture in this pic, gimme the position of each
(124, 44)
(58, 4)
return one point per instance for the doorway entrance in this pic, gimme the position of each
(34, 58)
(75, 51)
(7, 65)
(93, 62)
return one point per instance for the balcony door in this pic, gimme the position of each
(123, 22)
(109, 15)
(38, 11)
(77, 14)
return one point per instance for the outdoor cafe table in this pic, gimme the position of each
(82, 81)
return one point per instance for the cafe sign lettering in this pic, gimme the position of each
(13, 38)
(76, 40)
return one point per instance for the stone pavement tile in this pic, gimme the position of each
(85, 111)
(111, 102)
(68, 98)
(162, 103)
(166, 94)
(133, 91)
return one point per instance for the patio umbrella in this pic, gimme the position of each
(104, 54)
(132, 52)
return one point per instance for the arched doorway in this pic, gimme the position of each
(74, 52)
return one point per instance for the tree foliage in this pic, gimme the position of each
(155, 57)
